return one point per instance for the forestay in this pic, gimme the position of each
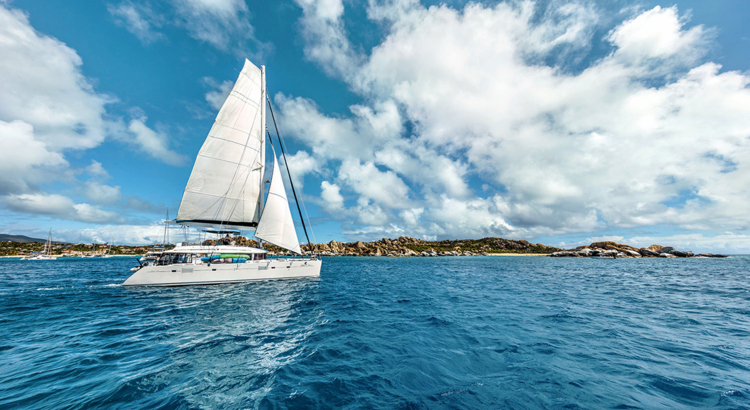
(225, 186)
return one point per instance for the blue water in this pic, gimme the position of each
(383, 333)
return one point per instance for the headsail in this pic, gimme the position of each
(276, 225)
(226, 185)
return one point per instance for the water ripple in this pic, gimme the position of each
(419, 333)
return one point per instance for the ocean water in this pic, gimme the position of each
(383, 333)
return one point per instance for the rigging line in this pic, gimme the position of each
(278, 135)
(301, 197)
(269, 191)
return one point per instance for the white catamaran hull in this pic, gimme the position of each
(219, 273)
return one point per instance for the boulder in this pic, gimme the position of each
(680, 254)
(335, 246)
(667, 249)
(666, 255)
(710, 255)
(573, 254)
(612, 245)
(655, 248)
(648, 253)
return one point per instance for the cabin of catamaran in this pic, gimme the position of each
(226, 193)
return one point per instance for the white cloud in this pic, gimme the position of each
(59, 206)
(658, 34)
(219, 92)
(331, 196)
(384, 188)
(114, 234)
(24, 161)
(138, 19)
(647, 135)
(153, 143)
(41, 84)
(96, 170)
(323, 30)
(48, 109)
(101, 193)
(301, 164)
(224, 24)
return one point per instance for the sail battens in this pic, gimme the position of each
(216, 223)
(222, 159)
(225, 188)
(227, 176)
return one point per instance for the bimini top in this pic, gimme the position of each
(215, 249)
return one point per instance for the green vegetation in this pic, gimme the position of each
(489, 245)
(12, 248)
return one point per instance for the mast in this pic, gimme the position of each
(263, 96)
(166, 234)
(48, 244)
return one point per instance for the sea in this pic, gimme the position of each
(382, 333)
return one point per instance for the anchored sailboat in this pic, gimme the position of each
(46, 254)
(226, 193)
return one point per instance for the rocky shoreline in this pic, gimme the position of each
(617, 250)
(407, 246)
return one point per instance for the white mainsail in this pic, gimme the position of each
(226, 185)
(276, 225)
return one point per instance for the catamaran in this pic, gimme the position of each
(226, 193)
(46, 254)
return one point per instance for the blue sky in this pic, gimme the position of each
(561, 122)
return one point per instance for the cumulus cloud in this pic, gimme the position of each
(102, 194)
(49, 109)
(41, 84)
(331, 196)
(151, 142)
(301, 164)
(647, 135)
(658, 34)
(58, 206)
(114, 234)
(24, 161)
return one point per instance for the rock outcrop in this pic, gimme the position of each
(408, 246)
(617, 250)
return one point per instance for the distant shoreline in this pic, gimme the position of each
(518, 254)
(80, 257)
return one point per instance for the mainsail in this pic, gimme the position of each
(276, 225)
(226, 186)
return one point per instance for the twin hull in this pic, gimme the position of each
(217, 273)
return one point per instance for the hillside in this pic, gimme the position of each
(19, 238)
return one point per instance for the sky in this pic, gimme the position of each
(560, 122)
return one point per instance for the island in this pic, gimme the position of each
(617, 250)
